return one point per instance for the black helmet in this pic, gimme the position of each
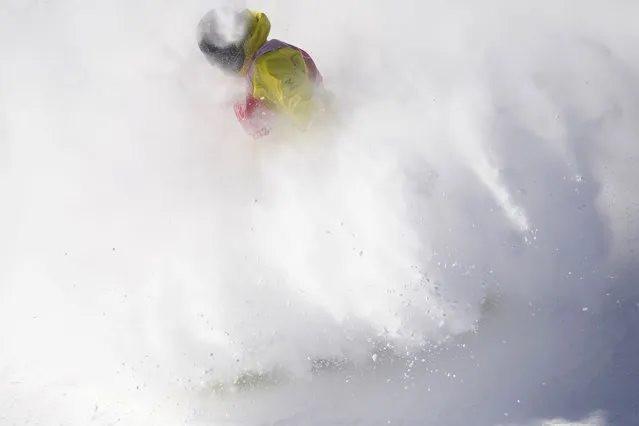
(221, 36)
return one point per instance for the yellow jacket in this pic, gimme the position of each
(283, 82)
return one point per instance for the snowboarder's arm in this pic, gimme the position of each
(287, 82)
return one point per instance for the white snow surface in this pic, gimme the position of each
(461, 242)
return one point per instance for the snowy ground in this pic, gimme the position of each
(461, 244)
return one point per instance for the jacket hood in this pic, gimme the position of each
(259, 29)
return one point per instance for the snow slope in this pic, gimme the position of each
(458, 248)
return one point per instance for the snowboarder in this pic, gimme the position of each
(283, 82)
